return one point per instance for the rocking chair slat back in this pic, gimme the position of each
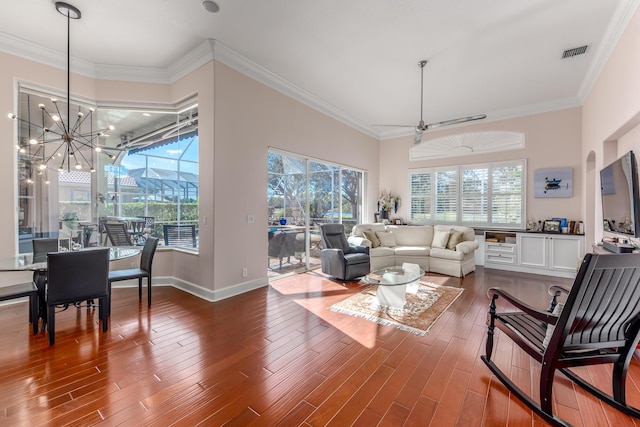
(604, 300)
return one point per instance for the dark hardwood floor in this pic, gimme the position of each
(278, 356)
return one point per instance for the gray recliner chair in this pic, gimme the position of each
(340, 260)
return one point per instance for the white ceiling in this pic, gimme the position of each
(357, 58)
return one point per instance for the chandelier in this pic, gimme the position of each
(58, 144)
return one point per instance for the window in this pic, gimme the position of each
(157, 176)
(147, 166)
(474, 195)
(302, 194)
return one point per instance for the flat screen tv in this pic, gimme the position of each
(619, 188)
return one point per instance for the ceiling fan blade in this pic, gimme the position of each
(397, 126)
(456, 121)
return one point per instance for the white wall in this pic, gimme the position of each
(611, 114)
(250, 118)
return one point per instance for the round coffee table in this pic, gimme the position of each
(392, 283)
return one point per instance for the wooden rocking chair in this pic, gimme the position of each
(599, 323)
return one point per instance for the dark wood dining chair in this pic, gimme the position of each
(77, 276)
(146, 262)
(118, 234)
(41, 247)
(599, 324)
(179, 235)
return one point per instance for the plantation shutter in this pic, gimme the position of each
(475, 195)
(421, 197)
(507, 194)
(446, 209)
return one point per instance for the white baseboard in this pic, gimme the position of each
(197, 290)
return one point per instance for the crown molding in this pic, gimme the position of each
(34, 52)
(233, 59)
(617, 26)
(188, 63)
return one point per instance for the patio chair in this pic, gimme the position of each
(136, 230)
(339, 259)
(599, 323)
(149, 222)
(179, 235)
(117, 233)
(282, 245)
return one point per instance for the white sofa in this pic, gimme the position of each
(415, 244)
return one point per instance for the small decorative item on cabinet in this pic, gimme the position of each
(551, 226)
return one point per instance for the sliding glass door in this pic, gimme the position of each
(302, 194)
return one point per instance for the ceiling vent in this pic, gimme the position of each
(570, 53)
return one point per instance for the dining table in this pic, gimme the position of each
(26, 262)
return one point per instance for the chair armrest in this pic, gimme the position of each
(357, 250)
(543, 316)
(467, 246)
(332, 253)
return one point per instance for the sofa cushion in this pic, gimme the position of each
(381, 251)
(407, 235)
(371, 236)
(412, 251)
(358, 229)
(454, 238)
(386, 238)
(440, 239)
(467, 232)
(446, 254)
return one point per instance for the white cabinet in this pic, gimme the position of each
(538, 253)
(501, 253)
(566, 252)
(533, 250)
(500, 249)
(553, 252)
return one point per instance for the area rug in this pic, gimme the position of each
(425, 304)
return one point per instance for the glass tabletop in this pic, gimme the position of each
(24, 262)
(392, 276)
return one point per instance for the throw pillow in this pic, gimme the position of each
(386, 238)
(550, 328)
(440, 239)
(371, 236)
(454, 239)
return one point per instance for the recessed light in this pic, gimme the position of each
(210, 6)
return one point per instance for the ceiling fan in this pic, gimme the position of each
(422, 126)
